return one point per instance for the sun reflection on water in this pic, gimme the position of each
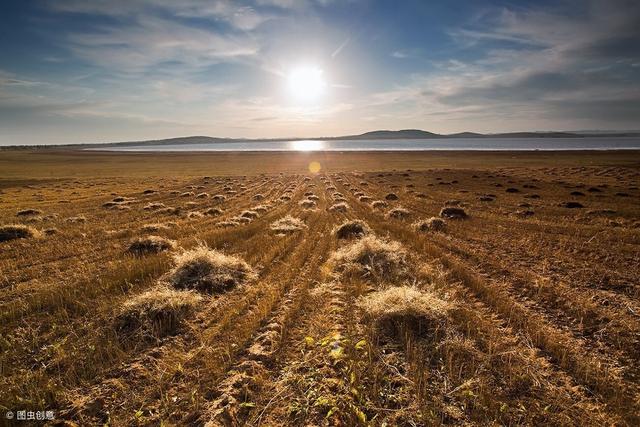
(307, 145)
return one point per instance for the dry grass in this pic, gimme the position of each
(207, 270)
(503, 320)
(431, 224)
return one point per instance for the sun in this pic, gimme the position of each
(306, 83)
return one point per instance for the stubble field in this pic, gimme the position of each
(385, 289)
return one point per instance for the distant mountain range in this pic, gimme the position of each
(376, 134)
(384, 134)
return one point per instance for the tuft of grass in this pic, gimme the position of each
(210, 271)
(150, 245)
(379, 204)
(17, 231)
(156, 313)
(391, 196)
(249, 214)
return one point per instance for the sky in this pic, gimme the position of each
(88, 71)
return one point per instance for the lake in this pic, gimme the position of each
(455, 144)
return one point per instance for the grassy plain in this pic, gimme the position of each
(250, 306)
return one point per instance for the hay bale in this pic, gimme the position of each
(156, 313)
(17, 231)
(352, 229)
(453, 213)
(398, 213)
(339, 207)
(431, 224)
(210, 271)
(391, 308)
(150, 245)
(372, 258)
(288, 224)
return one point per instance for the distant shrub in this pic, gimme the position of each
(208, 270)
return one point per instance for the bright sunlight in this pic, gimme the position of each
(306, 83)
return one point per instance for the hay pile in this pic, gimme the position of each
(391, 309)
(17, 231)
(453, 213)
(398, 213)
(150, 245)
(207, 270)
(339, 207)
(288, 224)
(373, 258)
(431, 224)
(352, 229)
(156, 313)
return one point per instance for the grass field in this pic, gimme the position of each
(243, 289)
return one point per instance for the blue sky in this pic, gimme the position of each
(94, 71)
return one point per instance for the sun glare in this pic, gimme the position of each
(307, 145)
(306, 83)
